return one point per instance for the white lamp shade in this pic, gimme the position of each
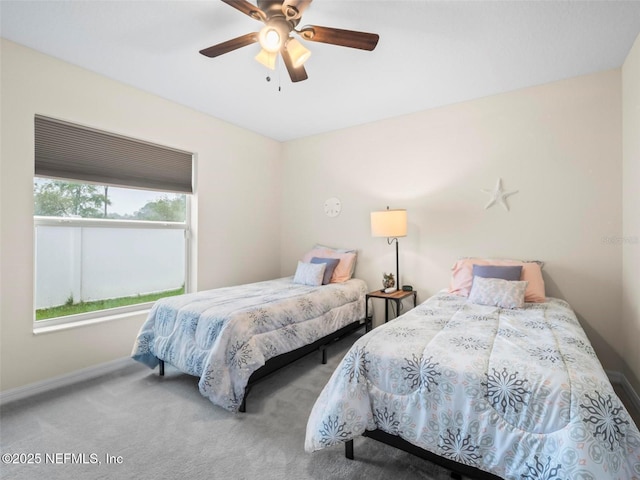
(389, 223)
(298, 52)
(268, 59)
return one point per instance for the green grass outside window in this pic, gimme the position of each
(84, 307)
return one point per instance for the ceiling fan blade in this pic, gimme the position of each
(337, 36)
(247, 8)
(297, 74)
(230, 45)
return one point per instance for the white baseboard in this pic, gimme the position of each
(619, 378)
(49, 384)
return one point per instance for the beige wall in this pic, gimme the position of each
(559, 145)
(237, 200)
(631, 214)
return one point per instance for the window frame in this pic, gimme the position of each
(72, 152)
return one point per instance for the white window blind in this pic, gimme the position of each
(72, 152)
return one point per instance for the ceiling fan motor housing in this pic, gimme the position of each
(291, 10)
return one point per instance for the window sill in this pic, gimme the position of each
(40, 330)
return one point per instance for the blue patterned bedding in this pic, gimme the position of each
(517, 393)
(226, 334)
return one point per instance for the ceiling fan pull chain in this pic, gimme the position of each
(279, 66)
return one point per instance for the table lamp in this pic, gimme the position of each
(391, 224)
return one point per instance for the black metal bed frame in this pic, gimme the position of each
(457, 469)
(280, 361)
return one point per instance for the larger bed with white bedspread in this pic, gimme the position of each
(225, 335)
(517, 393)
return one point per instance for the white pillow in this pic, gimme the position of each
(309, 273)
(498, 292)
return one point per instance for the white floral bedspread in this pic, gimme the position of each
(224, 335)
(517, 393)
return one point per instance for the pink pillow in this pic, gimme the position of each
(462, 277)
(345, 267)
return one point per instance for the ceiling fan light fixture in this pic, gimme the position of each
(274, 34)
(266, 58)
(298, 52)
(270, 40)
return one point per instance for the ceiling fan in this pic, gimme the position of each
(280, 18)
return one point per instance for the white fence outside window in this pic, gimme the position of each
(87, 260)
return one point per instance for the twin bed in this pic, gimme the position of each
(503, 390)
(232, 337)
(486, 390)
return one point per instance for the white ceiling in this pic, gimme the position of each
(430, 53)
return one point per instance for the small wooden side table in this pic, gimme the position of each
(396, 296)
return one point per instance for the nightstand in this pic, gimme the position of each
(396, 296)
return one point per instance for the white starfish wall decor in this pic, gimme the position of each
(498, 195)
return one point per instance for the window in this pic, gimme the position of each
(111, 221)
